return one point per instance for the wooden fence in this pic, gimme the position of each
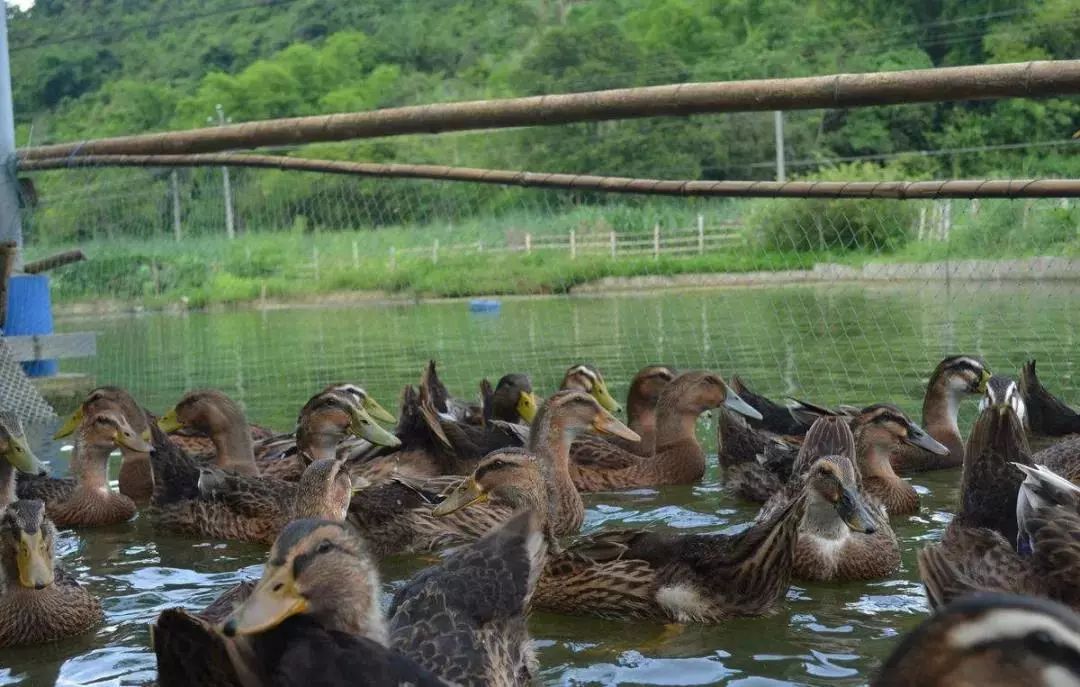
(681, 241)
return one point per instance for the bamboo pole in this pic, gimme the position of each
(952, 188)
(1026, 79)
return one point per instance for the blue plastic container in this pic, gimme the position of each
(484, 305)
(29, 311)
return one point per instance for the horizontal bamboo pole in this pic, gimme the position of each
(962, 188)
(1026, 79)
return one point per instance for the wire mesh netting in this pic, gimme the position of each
(852, 300)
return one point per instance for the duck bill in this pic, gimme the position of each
(916, 436)
(21, 457)
(464, 495)
(606, 424)
(984, 380)
(604, 398)
(363, 426)
(853, 511)
(274, 600)
(732, 401)
(70, 424)
(377, 412)
(527, 405)
(169, 423)
(132, 442)
(35, 569)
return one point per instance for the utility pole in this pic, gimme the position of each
(10, 220)
(778, 125)
(230, 226)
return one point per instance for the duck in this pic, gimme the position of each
(436, 443)
(1043, 560)
(204, 500)
(681, 578)
(512, 400)
(412, 516)
(136, 480)
(209, 413)
(1053, 427)
(988, 639)
(38, 602)
(15, 457)
(954, 378)
(678, 457)
(775, 418)
(316, 610)
(322, 493)
(979, 548)
(587, 378)
(641, 399)
(844, 534)
(325, 422)
(86, 499)
(879, 431)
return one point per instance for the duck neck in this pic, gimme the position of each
(90, 465)
(235, 449)
(7, 485)
(675, 425)
(941, 408)
(550, 443)
(821, 520)
(320, 445)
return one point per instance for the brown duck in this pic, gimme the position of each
(678, 458)
(641, 400)
(400, 516)
(86, 500)
(953, 379)
(844, 534)
(989, 640)
(136, 480)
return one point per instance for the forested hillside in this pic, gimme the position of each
(85, 68)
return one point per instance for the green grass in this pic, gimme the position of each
(212, 270)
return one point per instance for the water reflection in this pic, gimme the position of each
(836, 343)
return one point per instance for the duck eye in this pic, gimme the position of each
(324, 546)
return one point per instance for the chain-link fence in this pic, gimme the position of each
(849, 298)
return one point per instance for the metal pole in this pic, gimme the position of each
(778, 125)
(230, 227)
(10, 219)
(176, 208)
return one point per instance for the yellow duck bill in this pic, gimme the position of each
(604, 398)
(377, 412)
(35, 571)
(527, 405)
(21, 457)
(464, 495)
(273, 600)
(169, 422)
(363, 426)
(70, 424)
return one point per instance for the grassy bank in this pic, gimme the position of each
(473, 257)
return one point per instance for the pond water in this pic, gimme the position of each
(830, 344)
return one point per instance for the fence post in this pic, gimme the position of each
(435, 252)
(315, 261)
(974, 208)
(176, 208)
(573, 244)
(946, 220)
(700, 234)
(393, 258)
(611, 236)
(528, 242)
(356, 255)
(656, 242)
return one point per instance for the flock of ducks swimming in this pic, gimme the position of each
(496, 486)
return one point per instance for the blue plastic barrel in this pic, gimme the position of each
(29, 311)
(484, 305)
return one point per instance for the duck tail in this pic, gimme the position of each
(487, 400)
(828, 436)
(807, 413)
(189, 651)
(1047, 414)
(434, 388)
(176, 474)
(429, 413)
